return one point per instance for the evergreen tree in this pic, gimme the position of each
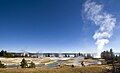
(24, 63)
(79, 54)
(88, 56)
(65, 55)
(108, 55)
(75, 55)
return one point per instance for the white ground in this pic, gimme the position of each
(16, 61)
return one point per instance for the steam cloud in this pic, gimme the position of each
(106, 22)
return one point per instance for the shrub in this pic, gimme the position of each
(2, 65)
(32, 65)
(72, 66)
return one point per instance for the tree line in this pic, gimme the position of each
(5, 54)
(112, 59)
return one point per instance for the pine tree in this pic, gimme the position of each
(24, 63)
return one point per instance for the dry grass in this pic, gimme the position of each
(91, 69)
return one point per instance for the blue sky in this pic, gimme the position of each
(52, 26)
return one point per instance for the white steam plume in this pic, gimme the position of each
(106, 22)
